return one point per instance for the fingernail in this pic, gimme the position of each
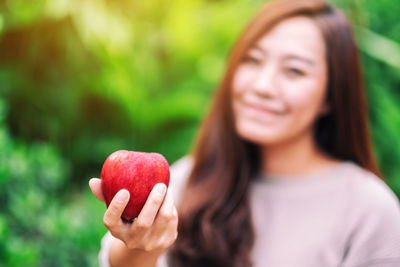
(122, 195)
(161, 188)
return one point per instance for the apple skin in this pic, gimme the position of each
(136, 172)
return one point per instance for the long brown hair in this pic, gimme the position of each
(215, 226)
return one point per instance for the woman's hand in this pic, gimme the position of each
(156, 226)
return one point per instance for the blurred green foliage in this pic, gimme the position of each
(43, 220)
(80, 79)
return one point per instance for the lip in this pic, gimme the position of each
(260, 114)
(264, 109)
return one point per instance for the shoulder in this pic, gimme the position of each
(179, 174)
(370, 192)
(182, 166)
(374, 223)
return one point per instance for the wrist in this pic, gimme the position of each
(121, 255)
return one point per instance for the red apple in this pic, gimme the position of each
(136, 172)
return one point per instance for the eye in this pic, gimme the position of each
(251, 60)
(294, 72)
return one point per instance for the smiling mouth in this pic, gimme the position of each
(264, 109)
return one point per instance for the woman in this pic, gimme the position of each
(283, 172)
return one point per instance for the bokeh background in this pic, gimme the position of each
(80, 79)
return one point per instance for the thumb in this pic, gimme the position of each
(95, 186)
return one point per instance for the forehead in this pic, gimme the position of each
(297, 35)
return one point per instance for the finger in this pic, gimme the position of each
(169, 235)
(165, 216)
(150, 208)
(95, 186)
(112, 217)
(166, 210)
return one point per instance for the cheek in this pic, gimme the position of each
(307, 96)
(241, 80)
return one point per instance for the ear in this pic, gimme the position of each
(325, 109)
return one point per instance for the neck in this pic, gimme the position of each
(300, 156)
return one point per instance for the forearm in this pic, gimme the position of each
(121, 256)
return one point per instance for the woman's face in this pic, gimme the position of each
(279, 87)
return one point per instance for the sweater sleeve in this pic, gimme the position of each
(375, 237)
(179, 173)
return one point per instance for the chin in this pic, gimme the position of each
(259, 135)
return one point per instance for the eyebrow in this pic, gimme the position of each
(256, 47)
(300, 58)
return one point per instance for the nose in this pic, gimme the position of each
(265, 82)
